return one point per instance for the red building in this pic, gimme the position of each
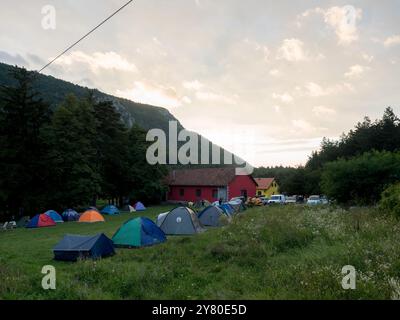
(209, 184)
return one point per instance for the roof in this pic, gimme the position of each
(264, 183)
(215, 177)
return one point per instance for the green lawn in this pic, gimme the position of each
(265, 253)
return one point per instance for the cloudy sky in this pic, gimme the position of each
(265, 79)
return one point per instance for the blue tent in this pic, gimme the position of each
(227, 208)
(140, 206)
(70, 215)
(74, 247)
(54, 215)
(110, 210)
(138, 232)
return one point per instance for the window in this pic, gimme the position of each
(243, 193)
(182, 192)
(215, 193)
(198, 193)
(259, 193)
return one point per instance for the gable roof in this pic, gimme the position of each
(202, 177)
(264, 183)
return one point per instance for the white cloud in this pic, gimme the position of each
(292, 50)
(285, 97)
(392, 41)
(186, 100)
(321, 111)
(367, 57)
(154, 94)
(343, 20)
(355, 71)
(274, 72)
(315, 90)
(193, 85)
(215, 97)
(98, 60)
(303, 126)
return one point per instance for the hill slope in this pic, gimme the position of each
(54, 90)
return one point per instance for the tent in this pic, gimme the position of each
(74, 247)
(138, 232)
(41, 221)
(140, 206)
(91, 216)
(128, 208)
(227, 208)
(110, 210)
(23, 222)
(212, 216)
(54, 215)
(180, 221)
(70, 215)
(201, 204)
(93, 208)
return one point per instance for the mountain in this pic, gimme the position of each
(54, 91)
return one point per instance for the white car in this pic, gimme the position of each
(317, 200)
(277, 199)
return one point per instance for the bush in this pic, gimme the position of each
(390, 201)
(361, 180)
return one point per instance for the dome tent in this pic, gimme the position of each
(138, 232)
(227, 208)
(54, 215)
(91, 216)
(73, 247)
(180, 221)
(70, 215)
(140, 206)
(212, 216)
(110, 210)
(41, 221)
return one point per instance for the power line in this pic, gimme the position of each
(86, 35)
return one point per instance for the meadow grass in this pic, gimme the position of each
(288, 252)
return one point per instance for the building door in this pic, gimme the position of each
(222, 194)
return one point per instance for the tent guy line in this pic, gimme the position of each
(85, 36)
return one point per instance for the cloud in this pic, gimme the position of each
(154, 94)
(392, 41)
(343, 20)
(274, 72)
(303, 125)
(355, 71)
(215, 97)
(285, 97)
(321, 111)
(193, 85)
(13, 59)
(292, 50)
(367, 57)
(97, 61)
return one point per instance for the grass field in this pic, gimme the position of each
(265, 253)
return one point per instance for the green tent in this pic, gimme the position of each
(138, 232)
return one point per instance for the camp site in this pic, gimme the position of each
(199, 151)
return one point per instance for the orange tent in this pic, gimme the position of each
(91, 216)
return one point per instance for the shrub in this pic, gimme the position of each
(390, 201)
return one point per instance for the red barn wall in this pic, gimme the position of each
(242, 183)
(190, 193)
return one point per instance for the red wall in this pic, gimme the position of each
(190, 194)
(234, 190)
(242, 183)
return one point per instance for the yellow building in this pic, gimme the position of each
(267, 187)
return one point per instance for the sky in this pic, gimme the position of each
(264, 79)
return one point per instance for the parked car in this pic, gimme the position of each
(291, 200)
(317, 200)
(264, 200)
(277, 199)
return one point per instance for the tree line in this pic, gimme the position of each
(354, 169)
(70, 156)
